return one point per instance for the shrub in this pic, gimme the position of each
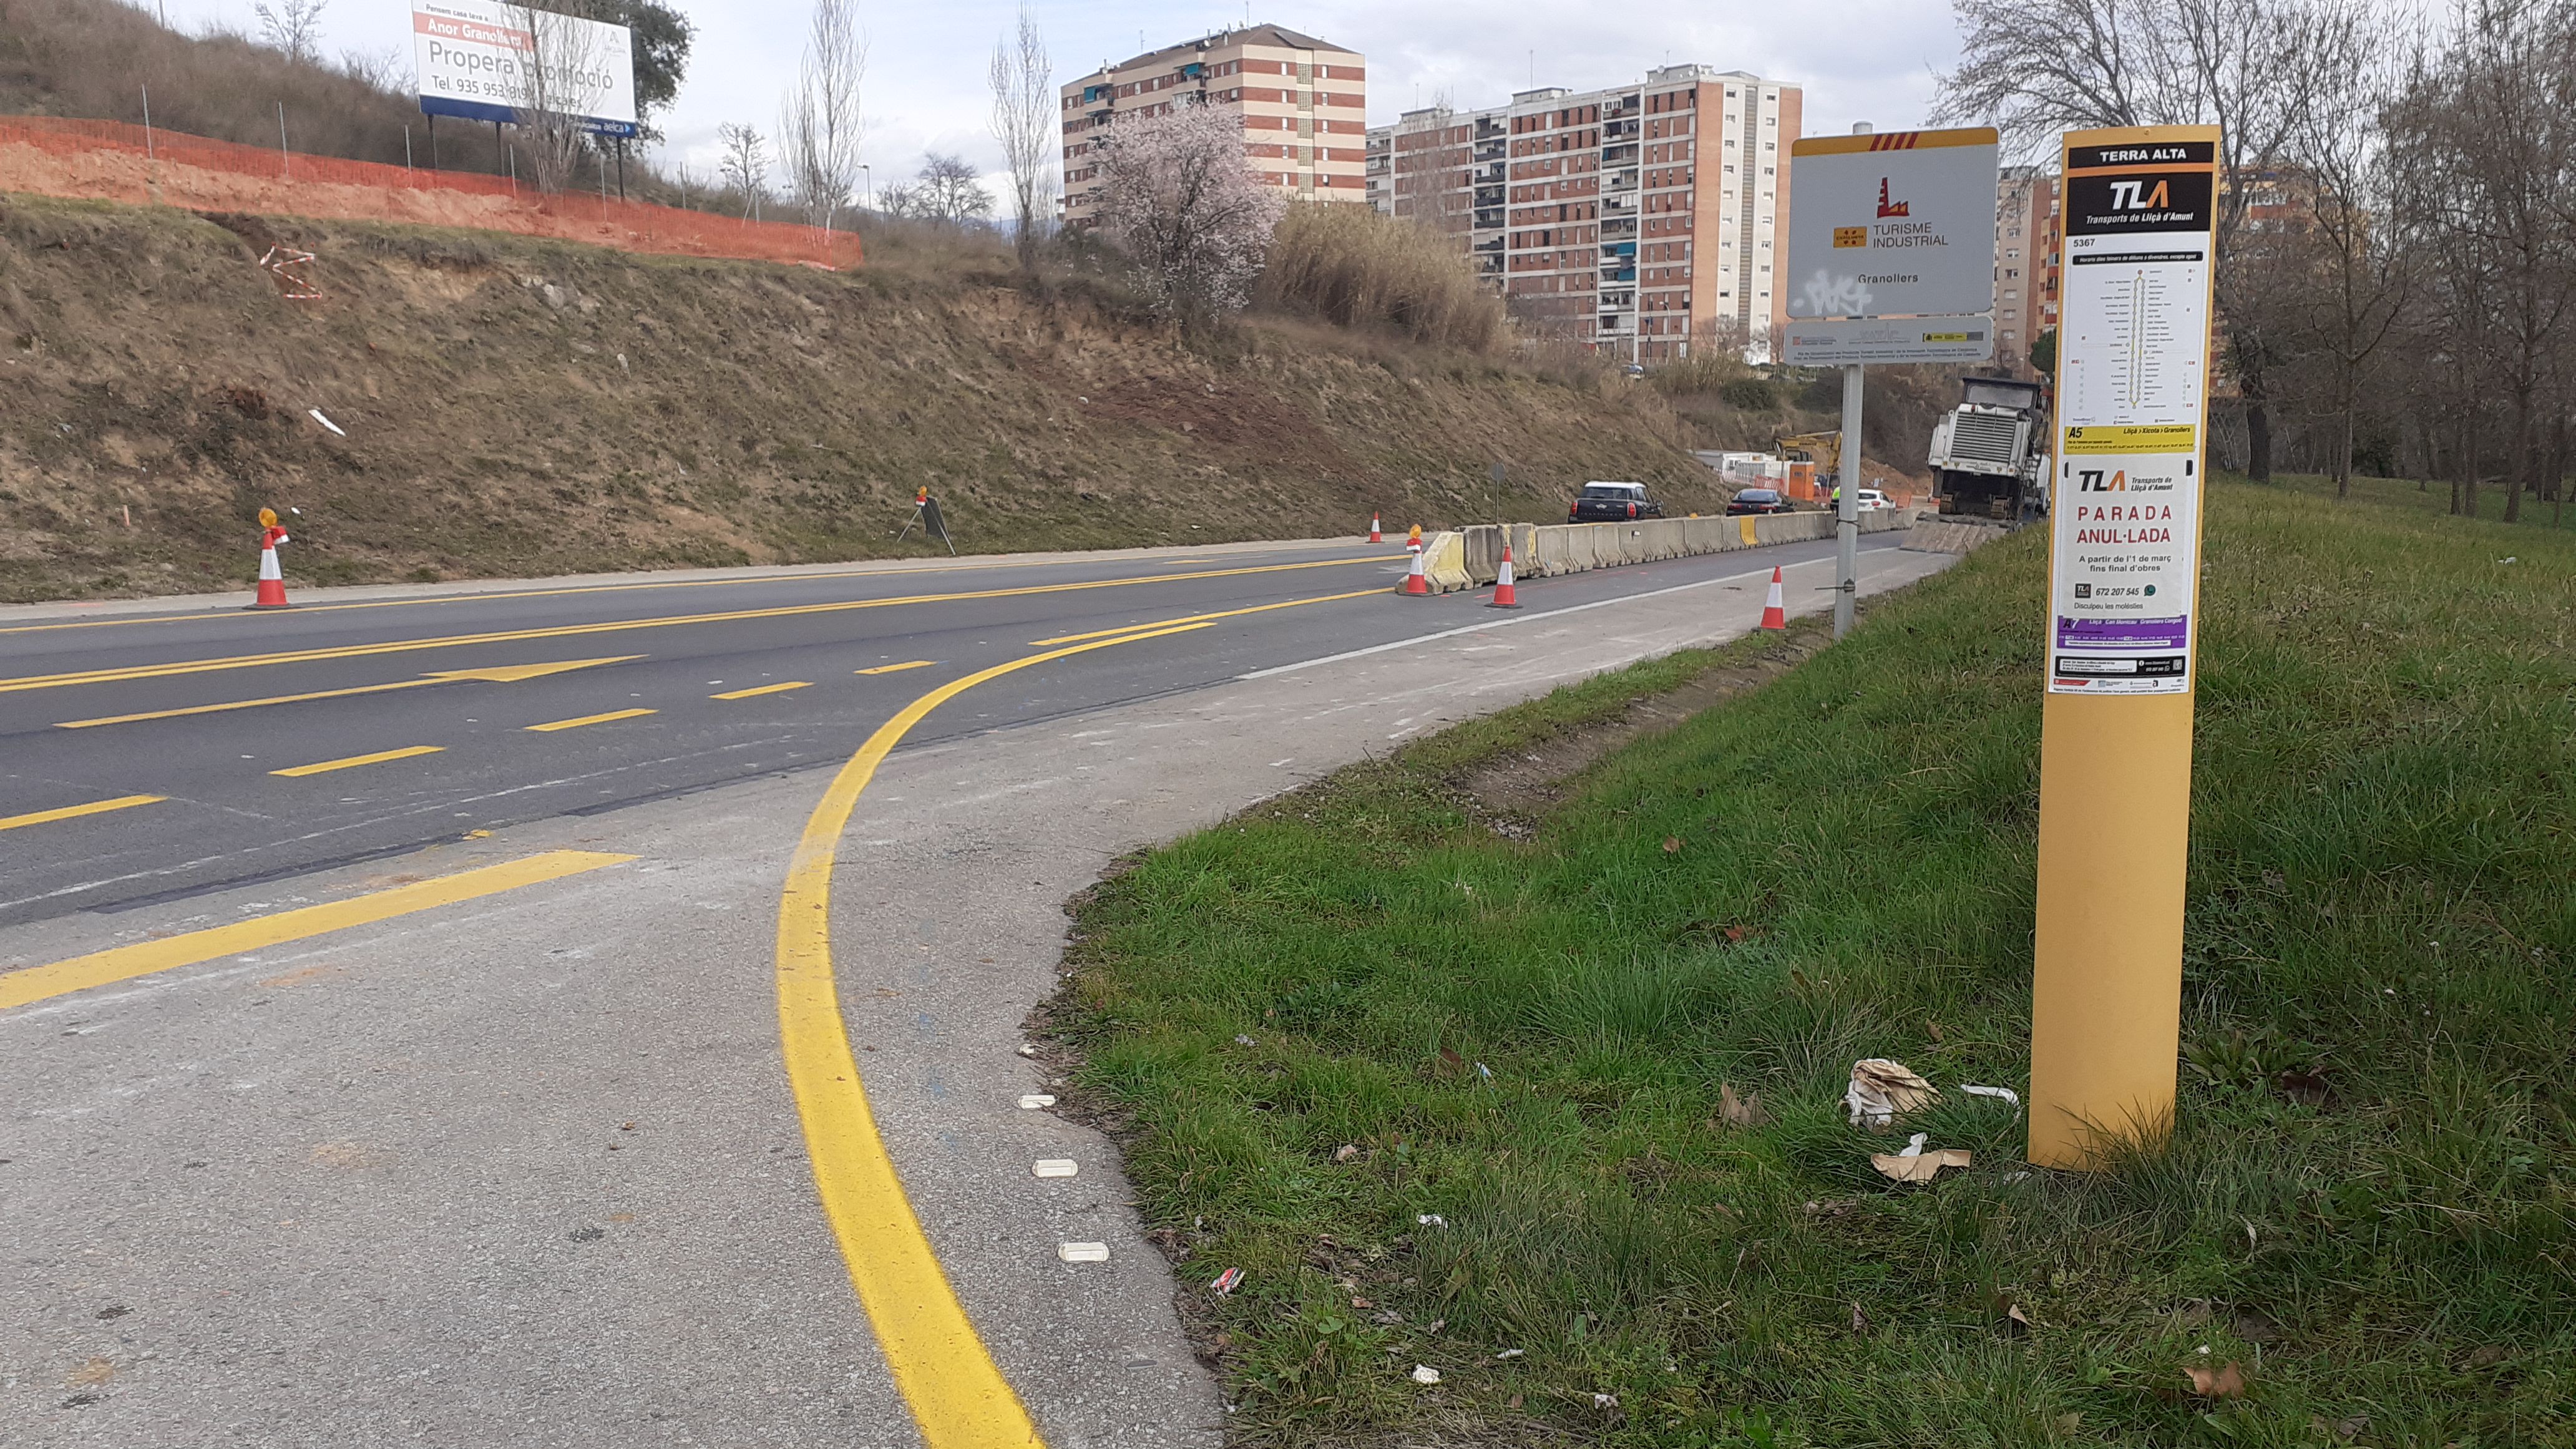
(1352, 267)
(1752, 394)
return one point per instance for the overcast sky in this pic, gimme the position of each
(1858, 59)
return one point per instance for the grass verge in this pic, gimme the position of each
(1448, 1089)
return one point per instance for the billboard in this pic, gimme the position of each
(478, 59)
(1892, 225)
(2132, 388)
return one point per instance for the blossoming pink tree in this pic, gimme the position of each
(1179, 198)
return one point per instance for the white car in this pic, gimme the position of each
(1872, 500)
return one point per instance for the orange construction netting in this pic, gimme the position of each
(113, 161)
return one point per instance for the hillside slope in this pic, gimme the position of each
(514, 406)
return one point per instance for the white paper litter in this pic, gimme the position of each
(326, 422)
(1880, 1089)
(1424, 1373)
(1431, 1220)
(1083, 1252)
(1028, 1050)
(1034, 1101)
(1054, 1167)
(2005, 1094)
(1511, 1353)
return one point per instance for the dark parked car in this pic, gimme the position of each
(1612, 503)
(1758, 500)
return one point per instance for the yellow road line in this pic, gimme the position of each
(1204, 618)
(958, 1397)
(95, 807)
(498, 674)
(590, 719)
(897, 668)
(764, 689)
(612, 626)
(354, 761)
(124, 963)
(301, 609)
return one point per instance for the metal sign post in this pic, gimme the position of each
(1891, 259)
(2124, 574)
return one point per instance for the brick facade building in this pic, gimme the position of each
(1641, 219)
(1303, 104)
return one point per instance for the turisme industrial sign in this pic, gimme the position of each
(1893, 225)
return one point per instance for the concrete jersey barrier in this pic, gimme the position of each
(1470, 557)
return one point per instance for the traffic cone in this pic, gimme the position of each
(1775, 609)
(1415, 580)
(1505, 596)
(272, 583)
(1376, 535)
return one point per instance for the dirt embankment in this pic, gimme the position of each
(513, 406)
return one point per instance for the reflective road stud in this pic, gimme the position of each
(2124, 578)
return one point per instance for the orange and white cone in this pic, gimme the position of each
(1415, 580)
(1775, 609)
(1376, 534)
(272, 583)
(1505, 596)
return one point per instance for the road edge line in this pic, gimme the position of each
(957, 1395)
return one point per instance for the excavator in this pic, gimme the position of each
(1822, 453)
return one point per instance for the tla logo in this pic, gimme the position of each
(2125, 196)
(1887, 208)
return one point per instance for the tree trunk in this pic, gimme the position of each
(2469, 482)
(2258, 441)
(2521, 467)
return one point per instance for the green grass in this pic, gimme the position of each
(2428, 496)
(2383, 897)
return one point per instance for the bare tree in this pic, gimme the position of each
(1025, 122)
(2254, 68)
(1178, 197)
(293, 26)
(562, 78)
(745, 167)
(819, 125)
(949, 192)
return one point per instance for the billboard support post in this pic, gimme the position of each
(1847, 506)
(2126, 478)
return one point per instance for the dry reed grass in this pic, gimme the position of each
(1352, 267)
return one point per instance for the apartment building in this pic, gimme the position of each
(1303, 103)
(2026, 262)
(1641, 219)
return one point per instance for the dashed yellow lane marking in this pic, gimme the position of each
(958, 1397)
(124, 963)
(1206, 618)
(589, 719)
(354, 761)
(897, 668)
(764, 689)
(70, 812)
(613, 626)
(497, 674)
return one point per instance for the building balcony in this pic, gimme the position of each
(1617, 274)
(1493, 175)
(1489, 196)
(1618, 301)
(1620, 180)
(1490, 244)
(1618, 206)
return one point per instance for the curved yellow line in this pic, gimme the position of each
(958, 1397)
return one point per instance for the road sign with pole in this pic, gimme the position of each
(2126, 481)
(1891, 259)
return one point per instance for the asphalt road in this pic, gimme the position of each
(672, 707)
(538, 1164)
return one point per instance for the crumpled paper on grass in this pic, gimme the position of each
(1881, 1089)
(1916, 1165)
